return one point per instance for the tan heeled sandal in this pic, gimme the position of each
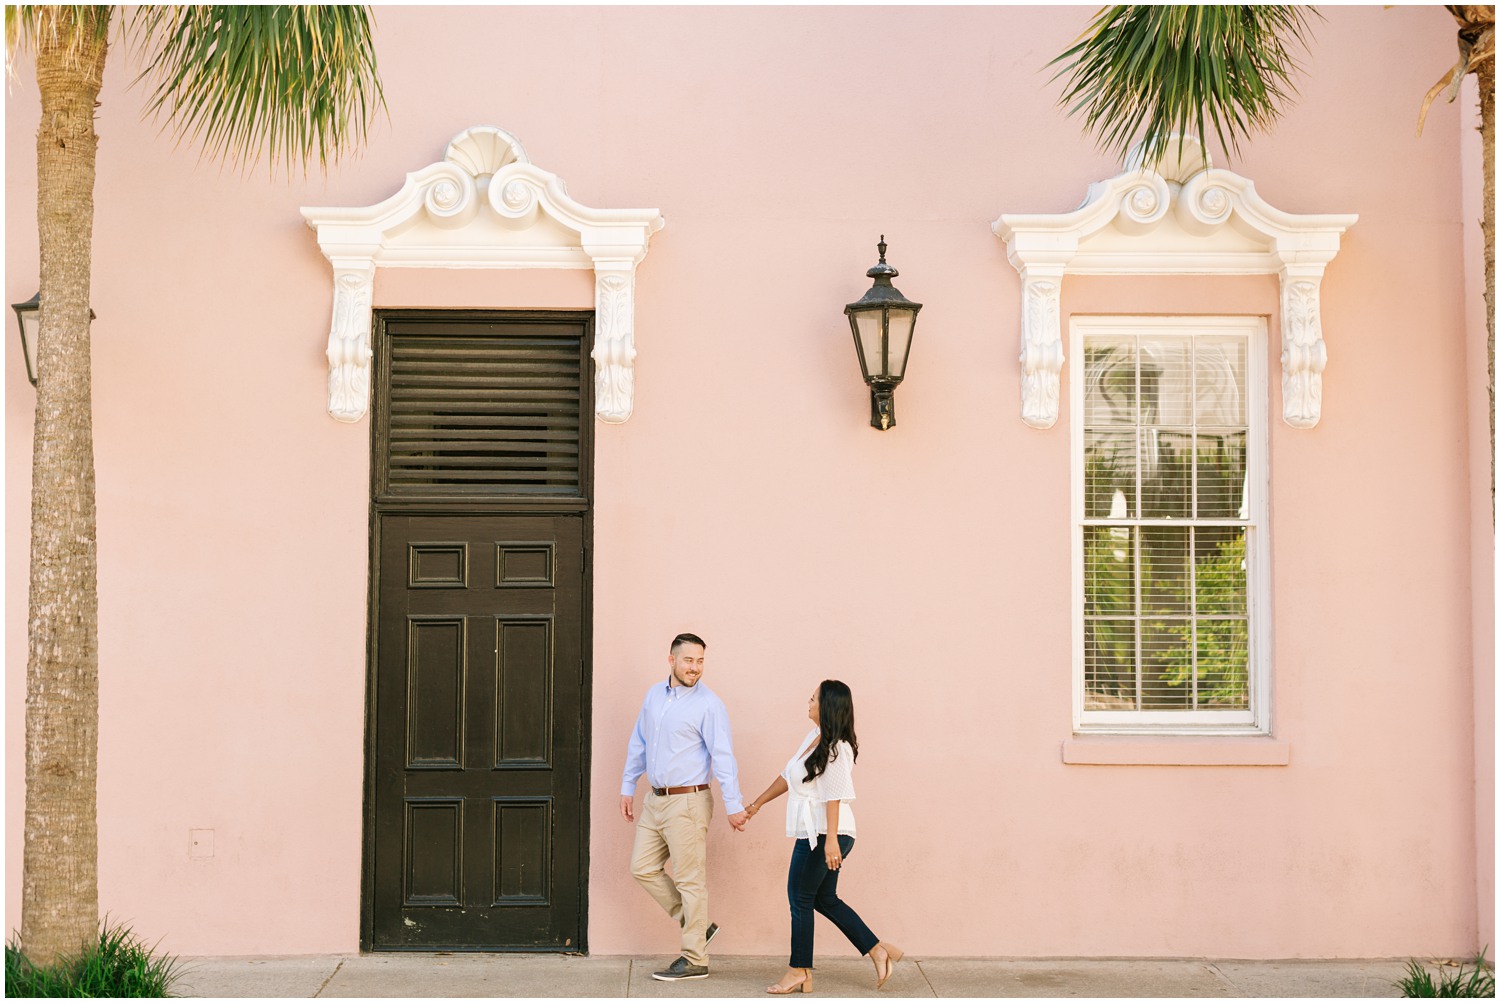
(893, 954)
(805, 985)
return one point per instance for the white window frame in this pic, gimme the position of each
(1256, 720)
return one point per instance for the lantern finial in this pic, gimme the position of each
(882, 270)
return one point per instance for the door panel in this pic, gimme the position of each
(478, 779)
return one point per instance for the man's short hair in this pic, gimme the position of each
(682, 639)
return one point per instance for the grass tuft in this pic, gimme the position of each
(1476, 982)
(119, 965)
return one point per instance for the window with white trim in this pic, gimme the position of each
(1169, 454)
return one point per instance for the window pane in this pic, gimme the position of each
(1109, 571)
(1166, 380)
(1109, 664)
(1109, 473)
(1219, 556)
(1220, 460)
(1165, 586)
(1166, 473)
(1109, 396)
(1223, 664)
(1167, 665)
(1219, 381)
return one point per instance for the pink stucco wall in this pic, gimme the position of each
(748, 500)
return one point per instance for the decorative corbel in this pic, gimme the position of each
(614, 340)
(1303, 351)
(349, 351)
(1041, 346)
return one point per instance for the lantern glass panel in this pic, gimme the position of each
(901, 323)
(869, 324)
(31, 325)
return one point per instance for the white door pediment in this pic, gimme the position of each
(484, 205)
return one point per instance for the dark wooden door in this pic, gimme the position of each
(478, 765)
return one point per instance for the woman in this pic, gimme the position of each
(820, 781)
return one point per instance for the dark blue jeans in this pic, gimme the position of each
(810, 885)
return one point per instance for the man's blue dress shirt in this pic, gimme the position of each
(682, 733)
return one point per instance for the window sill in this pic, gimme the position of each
(1097, 750)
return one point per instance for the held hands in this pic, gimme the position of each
(739, 819)
(736, 821)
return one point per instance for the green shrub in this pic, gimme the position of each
(1479, 981)
(119, 965)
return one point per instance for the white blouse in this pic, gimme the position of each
(807, 803)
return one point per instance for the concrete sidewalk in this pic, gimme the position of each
(551, 975)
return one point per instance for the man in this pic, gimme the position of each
(681, 735)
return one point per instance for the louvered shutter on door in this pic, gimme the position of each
(481, 407)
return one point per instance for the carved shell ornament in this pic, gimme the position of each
(484, 150)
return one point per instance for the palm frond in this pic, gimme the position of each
(292, 82)
(1152, 71)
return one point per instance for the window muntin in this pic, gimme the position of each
(1169, 419)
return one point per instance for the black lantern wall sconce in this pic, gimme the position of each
(29, 320)
(882, 321)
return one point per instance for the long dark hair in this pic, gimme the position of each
(836, 723)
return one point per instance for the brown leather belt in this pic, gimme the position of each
(662, 791)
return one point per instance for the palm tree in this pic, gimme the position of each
(289, 81)
(1152, 71)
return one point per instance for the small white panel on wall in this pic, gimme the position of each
(1194, 220)
(484, 205)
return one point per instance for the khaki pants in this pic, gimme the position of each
(676, 826)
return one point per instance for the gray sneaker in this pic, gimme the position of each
(680, 970)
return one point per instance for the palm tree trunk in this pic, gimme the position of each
(60, 887)
(1486, 77)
